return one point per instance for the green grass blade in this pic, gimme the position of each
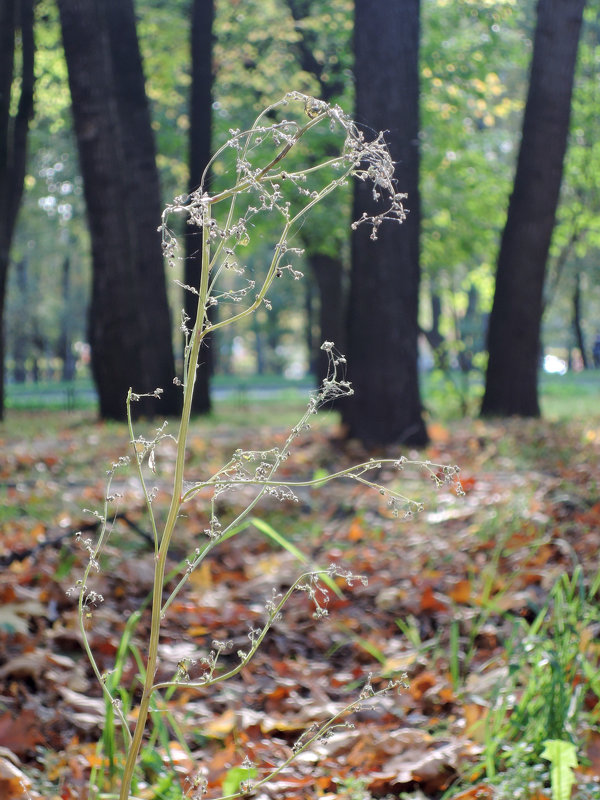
(279, 539)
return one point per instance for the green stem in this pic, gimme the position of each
(161, 557)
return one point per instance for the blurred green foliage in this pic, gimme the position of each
(474, 64)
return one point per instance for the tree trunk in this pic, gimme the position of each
(468, 332)
(16, 16)
(434, 338)
(259, 346)
(514, 324)
(129, 328)
(384, 287)
(65, 344)
(328, 273)
(22, 339)
(577, 326)
(199, 156)
(310, 329)
(145, 204)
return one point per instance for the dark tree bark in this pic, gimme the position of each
(143, 194)
(22, 341)
(130, 331)
(577, 326)
(16, 17)
(310, 329)
(331, 79)
(65, 343)
(384, 285)
(329, 274)
(514, 325)
(468, 332)
(199, 156)
(434, 338)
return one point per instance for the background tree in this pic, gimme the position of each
(572, 284)
(16, 22)
(202, 12)
(130, 330)
(514, 326)
(473, 62)
(473, 82)
(384, 289)
(312, 53)
(324, 52)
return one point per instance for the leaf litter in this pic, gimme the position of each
(471, 564)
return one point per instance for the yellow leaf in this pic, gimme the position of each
(220, 727)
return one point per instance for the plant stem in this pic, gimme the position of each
(176, 499)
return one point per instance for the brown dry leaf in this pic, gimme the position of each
(22, 734)
(270, 705)
(593, 753)
(432, 766)
(420, 684)
(87, 713)
(25, 665)
(429, 602)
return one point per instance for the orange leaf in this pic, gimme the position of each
(355, 531)
(420, 684)
(461, 591)
(198, 630)
(479, 792)
(38, 531)
(437, 433)
(447, 695)
(467, 483)
(14, 784)
(430, 603)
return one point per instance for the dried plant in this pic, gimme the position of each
(267, 179)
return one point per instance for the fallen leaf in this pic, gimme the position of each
(13, 615)
(479, 792)
(25, 665)
(461, 591)
(356, 531)
(21, 734)
(420, 684)
(429, 601)
(220, 727)
(438, 433)
(14, 784)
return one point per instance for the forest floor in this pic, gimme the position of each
(482, 600)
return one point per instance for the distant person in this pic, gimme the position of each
(596, 351)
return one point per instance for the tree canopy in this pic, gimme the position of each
(473, 73)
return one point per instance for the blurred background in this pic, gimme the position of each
(212, 66)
